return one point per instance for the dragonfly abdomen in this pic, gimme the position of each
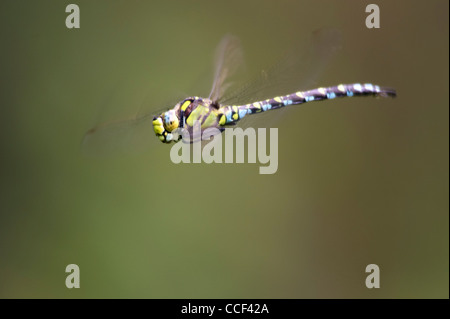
(233, 114)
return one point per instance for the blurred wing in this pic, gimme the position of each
(125, 136)
(298, 69)
(122, 137)
(228, 59)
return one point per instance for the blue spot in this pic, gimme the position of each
(349, 93)
(309, 98)
(228, 115)
(331, 95)
(266, 107)
(287, 102)
(242, 113)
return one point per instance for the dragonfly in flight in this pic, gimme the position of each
(214, 112)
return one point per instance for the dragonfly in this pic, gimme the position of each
(214, 111)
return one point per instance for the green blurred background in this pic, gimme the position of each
(359, 181)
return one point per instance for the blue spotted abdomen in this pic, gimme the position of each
(235, 113)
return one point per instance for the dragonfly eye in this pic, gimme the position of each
(170, 121)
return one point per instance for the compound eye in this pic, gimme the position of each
(170, 121)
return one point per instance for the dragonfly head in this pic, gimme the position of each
(164, 125)
(167, 124)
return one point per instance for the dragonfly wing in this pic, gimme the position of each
(132, 134)
(229, 58)
(122, 137)
(298, 69)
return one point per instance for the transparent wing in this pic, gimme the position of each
(228, 60)
(123, 124)
(121, 137)
(136, 134)
(298, 69)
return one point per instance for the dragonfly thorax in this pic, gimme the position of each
(183, 115)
